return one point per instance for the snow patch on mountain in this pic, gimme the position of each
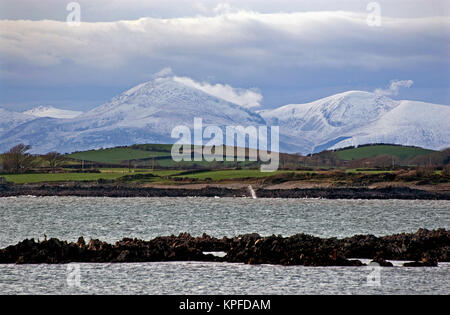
(10, 119)
(52, 112)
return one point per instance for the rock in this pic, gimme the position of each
(421, 264)
(424, 247)
(382, 262)
(413, 264)
(122, 256)
(81, 242)
(356, 263)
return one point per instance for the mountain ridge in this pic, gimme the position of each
(346, 119)
(147, 113)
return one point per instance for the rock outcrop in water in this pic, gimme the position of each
(424, 248)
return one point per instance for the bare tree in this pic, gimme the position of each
(18, 160)
(446, 170)
(54, 160)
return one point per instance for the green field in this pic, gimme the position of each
(116, 155)
(141, 155)
(65, 177)
(126, 171)
(159, 155)
(232, 174)
(37, 178)
(153, 147)
(401, 152)
(114, 174)
(364, 171)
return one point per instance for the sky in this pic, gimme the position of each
(257, 53)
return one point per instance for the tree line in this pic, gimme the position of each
(18, 160)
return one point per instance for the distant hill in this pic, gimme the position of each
(377, 155)
(117, 155)
(368, 151)
(146, 155)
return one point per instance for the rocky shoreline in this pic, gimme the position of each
(105, 190)
(423, 248)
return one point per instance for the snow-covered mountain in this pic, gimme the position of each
(52, 112)
(148, 112)
(410, 123)
(357, 117)
(164, 103)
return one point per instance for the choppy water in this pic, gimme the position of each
(111, 219)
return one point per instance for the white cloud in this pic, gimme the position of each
(165, 72)
(245, 98)
(394, 87)
(223, 8)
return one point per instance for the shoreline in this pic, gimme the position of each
(424, 248)
(211, 190)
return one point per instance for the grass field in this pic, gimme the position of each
(169, 176)
(65, 177)
(116, 155)
(117, 173)
(359, 171)
(401, 152)
(113, 174)
(232, 174)
(153, 147)
(37, 178)
(125, 171)
(142, 154)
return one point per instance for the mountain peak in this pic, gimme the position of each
(358, 116)
(353, 107)
(346, 108)
(165, 98)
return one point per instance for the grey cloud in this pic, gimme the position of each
(330, 39)
(113, 10)
(300, 51)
